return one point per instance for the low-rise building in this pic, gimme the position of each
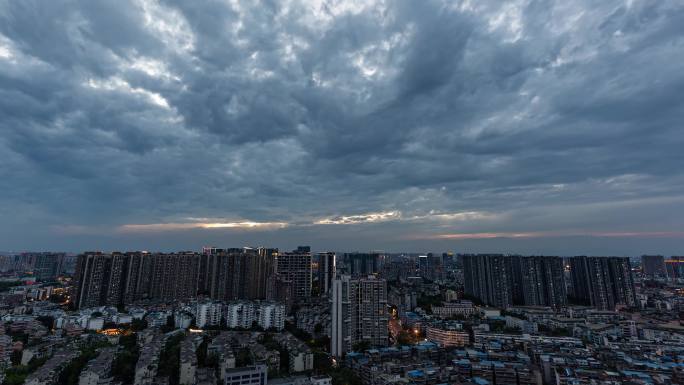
(447, 334)
(451, 309)
(48, 373)
(98, 370)
(188, 360)
(250, 375)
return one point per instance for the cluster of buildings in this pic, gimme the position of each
(504, 280)
(259, 316)
(314, 317)
(98, 371)
(241, 314)
(657, 267)
(221, 274)
(41, 266)
(602, 348)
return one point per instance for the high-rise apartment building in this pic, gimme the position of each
(542, 280)
(361, 264)
(116, 278)
(90, 270)
(296, 268)
(359, 313)
(368, 298)
(326, 271)
(340, 336)
(174, 275)
(261, 272)
(222, 274)
(225, 273)
(138, 271)
(603, 282)
(489, 277)
(423, 265)
(675, 268)
(45, 266)
(100, 279)
(281, 290)
(653, 266)
(504, 280)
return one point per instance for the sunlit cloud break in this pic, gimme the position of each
(457, 216)
(383, 216)
(242, 225)
(395, 215)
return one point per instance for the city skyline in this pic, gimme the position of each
(341, 192)
(353, 125)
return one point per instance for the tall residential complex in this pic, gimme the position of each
(296, 268)
(46, 266)
(224, 274)
(603, 282)
(542, 280)
(112, 279)
(423, 266)
(361, 264)
(504, 280)
(653, 266)
(488, 277)
(359, 313)
(340, 338)
(675, 268)
(326, 271)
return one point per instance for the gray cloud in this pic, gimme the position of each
(562, 118)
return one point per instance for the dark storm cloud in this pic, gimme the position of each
(349, 125)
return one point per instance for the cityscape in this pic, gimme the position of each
(238, 316)
(341, 192)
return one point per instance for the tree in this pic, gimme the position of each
(345, 376)
(71, 372)
(169, 359)
(243, 358)
(361, 346)
(426, 302)
(201, 353)
(284, 360)
(123, 367)
(15, 358)
(170, 324)
(46, 320)
(16, 374)
(322, 362)
(406, 338)
(138, 324)
(5, 286)
(318, 328)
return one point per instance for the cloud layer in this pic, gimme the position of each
(344, 124)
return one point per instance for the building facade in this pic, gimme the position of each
(603, 282)
(295, 267)
(326, 271)
(359, 313)
(489, 277)
(542, 280)
(653, 266)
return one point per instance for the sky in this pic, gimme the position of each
(537, 127)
